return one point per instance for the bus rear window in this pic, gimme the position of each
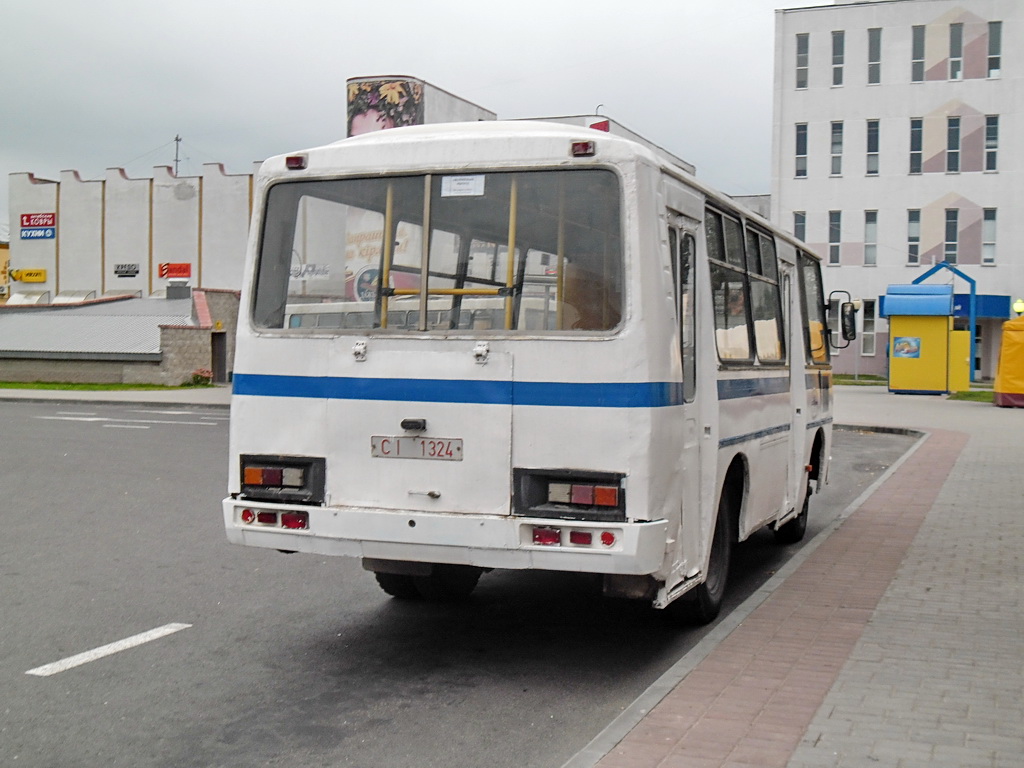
(351, 254)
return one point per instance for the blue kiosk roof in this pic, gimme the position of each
(918, 300)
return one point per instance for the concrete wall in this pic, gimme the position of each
(112, 235)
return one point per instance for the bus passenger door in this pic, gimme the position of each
(683, 248)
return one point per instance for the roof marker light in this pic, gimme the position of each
(295, 162)
(583, 149)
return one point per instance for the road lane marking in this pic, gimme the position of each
(124, 426)
(106, 650)
(128, 421)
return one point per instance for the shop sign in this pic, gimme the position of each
(167, 270)
(29, 275)
(38, 220)
(126, 270)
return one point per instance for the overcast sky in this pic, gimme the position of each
(109, 83)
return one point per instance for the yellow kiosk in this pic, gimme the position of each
(926, 356)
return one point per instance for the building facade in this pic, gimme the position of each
(897, 146)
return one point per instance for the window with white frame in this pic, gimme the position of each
(953, 144)
(917, 54)
(870, 238)
(837, 148)
(803, 48)
(956, 51)
(988, 236)
(872, 147)
(991, 142)
(838, 56)
(995, 48)
(868, 314)
(916, 144)
(913, 237)
(874, 56)
(800, 225)
(835, 226)
(951, 246)
(801, 150)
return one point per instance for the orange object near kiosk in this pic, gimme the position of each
(1009, 385)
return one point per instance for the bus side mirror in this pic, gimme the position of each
(848, 320)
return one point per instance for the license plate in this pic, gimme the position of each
(406, 447)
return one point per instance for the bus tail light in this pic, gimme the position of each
(569, 494)
(550, 536)
(288, 479)
(296, 521)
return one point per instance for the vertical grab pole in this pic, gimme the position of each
(513, 207)
(425, 253)
(560, 277)
(389, 244)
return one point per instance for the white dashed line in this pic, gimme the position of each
(106, 650)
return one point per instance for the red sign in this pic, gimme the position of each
(174, 270)
(39, 219)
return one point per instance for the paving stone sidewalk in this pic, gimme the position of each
(897, 642)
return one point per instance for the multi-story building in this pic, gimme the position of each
(897, 146)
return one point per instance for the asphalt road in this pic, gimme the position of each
(112, 527)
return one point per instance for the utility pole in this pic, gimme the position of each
(177, 145)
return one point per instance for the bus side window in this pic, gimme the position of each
(813, 307)
(728, 287)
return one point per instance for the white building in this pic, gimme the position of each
(898, 145)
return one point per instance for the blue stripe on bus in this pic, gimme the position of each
(599, 395)
(731, 389)
(725, 442)
(657, 394)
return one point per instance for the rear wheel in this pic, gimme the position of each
(793, 531)
(702, 604)
(448, 582)
(398, 585)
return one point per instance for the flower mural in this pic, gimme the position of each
(375, 105)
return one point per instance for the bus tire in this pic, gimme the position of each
(448, 582)
(398, 585)
(702, 604)
(793, 531)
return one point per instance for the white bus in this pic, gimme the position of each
(522, 345)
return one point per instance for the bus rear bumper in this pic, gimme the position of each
(485, 541)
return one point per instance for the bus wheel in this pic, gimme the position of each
(793, 531)
(448, 582)
(398, 585)
(702, 604)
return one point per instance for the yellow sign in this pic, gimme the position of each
(29, 275)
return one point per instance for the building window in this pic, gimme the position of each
(956, 51)
(874, 56)
(835, 223)
(952, 144)
(838, 46)
(872, 148)
(916, 144)
(800, 225)
(867, 344)
(870, 238)
(803, 46)
(917, 54)
(950, 248)
(837, 148)
(801, 149)
(995, 47)
(913, 237)
(991, 141)
(988, 237)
